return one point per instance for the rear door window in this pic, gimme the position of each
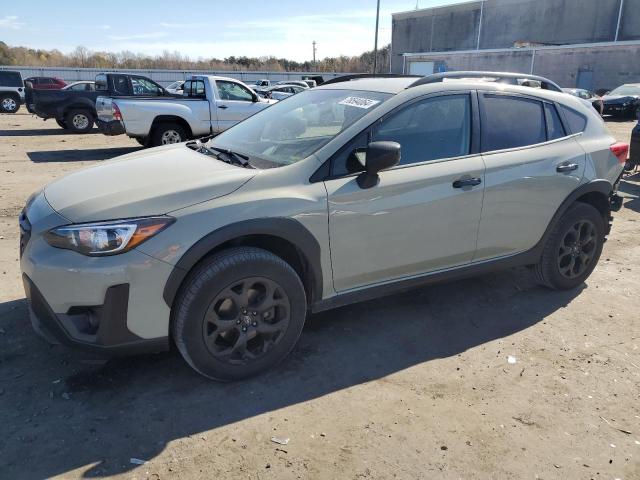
(511, 122)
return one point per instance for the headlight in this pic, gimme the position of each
(107, 238)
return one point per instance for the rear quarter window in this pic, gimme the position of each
(575, 120)
(10, 79)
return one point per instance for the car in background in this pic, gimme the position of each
(82, 86)
(11, 91)
(46, 83)
(588, 95)
(175, 87)
(300, 83)
(210, 105)
(310, 79)
(280, 92)
(623, 101)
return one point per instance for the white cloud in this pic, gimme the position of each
(11, 21)
(137, 36)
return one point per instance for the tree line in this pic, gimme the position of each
(82, 57)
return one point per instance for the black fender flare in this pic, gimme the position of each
(285, 228)
(78, 104)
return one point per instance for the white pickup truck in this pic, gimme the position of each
(209, 105)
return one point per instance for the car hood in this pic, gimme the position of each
(148, 182)
(618, 99)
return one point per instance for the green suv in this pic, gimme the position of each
(352, 190)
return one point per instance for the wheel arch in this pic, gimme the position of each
(160, 119)
(285, 237)
(78, 104)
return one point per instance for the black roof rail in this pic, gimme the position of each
(503, 77)
(358, 76)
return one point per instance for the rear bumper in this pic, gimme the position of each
(99, 329)
(111, 128)
(620, 110)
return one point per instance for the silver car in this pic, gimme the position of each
(349, 191)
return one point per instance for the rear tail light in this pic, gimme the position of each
(621, 151)
(117, 115)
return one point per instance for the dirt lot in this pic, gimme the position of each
(412, 386)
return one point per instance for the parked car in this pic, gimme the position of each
(82, 86)
(209, 106)
(11, 91)
(316, 78)
(623, 101)
(588, 95)
(300, 83)
(74, 106)
(634, 149)
(263, 83)
(175, 87)
(46, 83)
(223, 247)
(280, 92)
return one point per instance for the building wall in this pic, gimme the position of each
(611, 66)
(499, 24)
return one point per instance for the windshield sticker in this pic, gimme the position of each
(359, 102)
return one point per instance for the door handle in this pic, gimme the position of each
(566, 167)
(223, 107)
(467, 182)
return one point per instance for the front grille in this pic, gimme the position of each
(25, 231)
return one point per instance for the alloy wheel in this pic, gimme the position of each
(577, 249)
(246, 320)
(80, 121)
(9, 104)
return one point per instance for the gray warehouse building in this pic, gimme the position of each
(589, 44)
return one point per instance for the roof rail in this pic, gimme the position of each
(501, 77)
(358, 76)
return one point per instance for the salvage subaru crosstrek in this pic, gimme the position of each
(345, 192)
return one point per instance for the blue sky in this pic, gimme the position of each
(200, 28)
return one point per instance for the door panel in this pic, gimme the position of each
(523, 190)
(412, 222)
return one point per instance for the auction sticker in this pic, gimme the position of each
(359, 102)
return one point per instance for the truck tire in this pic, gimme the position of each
(167, 134)
(144, 141)
(61, 123)
(573, 248)
(238, 313)
(9, 103)
(79, 121)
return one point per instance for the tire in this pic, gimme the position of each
(213, 331)
(573, 248)
(168, 133)
(9, 103)
(79, 121)
(144, 141)
(61, 123)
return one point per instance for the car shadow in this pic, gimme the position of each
(629, 186)
(105, 414)
(42, 131)
(78, 155)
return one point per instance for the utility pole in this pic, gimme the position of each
(375, 46)
(314, 52)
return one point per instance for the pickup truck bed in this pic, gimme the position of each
(65, 106)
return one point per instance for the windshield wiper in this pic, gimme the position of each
(231, 156)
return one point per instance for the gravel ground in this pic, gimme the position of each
(416, 385)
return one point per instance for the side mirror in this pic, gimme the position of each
(379, 156)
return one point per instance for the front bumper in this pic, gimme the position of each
(618, 109)
(111, 128)
(99, 329)
(110, 304)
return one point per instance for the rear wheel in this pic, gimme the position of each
(144, 141)
(167, 134)
(573, 248)
(9, 103)
(239, 313)
(79, 121)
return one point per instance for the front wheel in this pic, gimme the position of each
(239, 313)
(61, 123)
(573, 248)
